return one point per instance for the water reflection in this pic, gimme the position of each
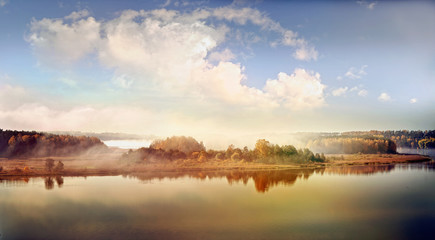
(49, 182)
(14, 181)
(263, 180)
(202, 205)
(428, 166)
(360, 170)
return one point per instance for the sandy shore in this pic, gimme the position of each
(109, 165)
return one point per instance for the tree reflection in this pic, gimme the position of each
(263, 179)
(14, 181)
(59, 181)
(49, 182)
(360, 170)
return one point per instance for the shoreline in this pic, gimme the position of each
(34, 167)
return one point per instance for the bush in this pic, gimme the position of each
(219, 156)
(59, 167)
(235, 156)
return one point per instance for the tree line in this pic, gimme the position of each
(180, 147)
(403, 138)
(38, 144)
(351, 144)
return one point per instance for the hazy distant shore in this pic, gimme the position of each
(108, 165)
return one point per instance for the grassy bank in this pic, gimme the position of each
(109, 165)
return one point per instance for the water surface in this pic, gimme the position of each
(363, 202)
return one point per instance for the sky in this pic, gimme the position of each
(217, 68)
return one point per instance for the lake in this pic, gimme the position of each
(361, 202)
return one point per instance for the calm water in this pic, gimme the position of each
(383, 202)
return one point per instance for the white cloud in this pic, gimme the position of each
(57, 43)
(223, 56)
(362, 93)
(354, 73)
(78, 15)
(413, 100)
(384, 97)
(368, 5)
(242, 16)
(224, 82)
(36, 116)
(290, 38)
(340, 91)
(297, 91)
(166, 3)
(163, 48)
(306, 53)
(173, 53)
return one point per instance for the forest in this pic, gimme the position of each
(402, 138)
(37, 144)
(348, 144)
(180, 147)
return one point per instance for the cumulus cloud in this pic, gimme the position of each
(363, 93)
(56, 42)
(368, 5)
(174, 52)
(78, 15)
(413, 100)
(339, 91)
(355, 73)
(297, 91)
(242, 16)
(360, 91)
(223, 56)
(306, 53)
(384, 97)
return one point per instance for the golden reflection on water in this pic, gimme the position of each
(263, 179)
(377, 202)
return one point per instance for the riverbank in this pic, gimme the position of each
(110, 165)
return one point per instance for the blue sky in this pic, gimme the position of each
(217, 67)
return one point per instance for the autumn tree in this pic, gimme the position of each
(180, 143)
(263, 148)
